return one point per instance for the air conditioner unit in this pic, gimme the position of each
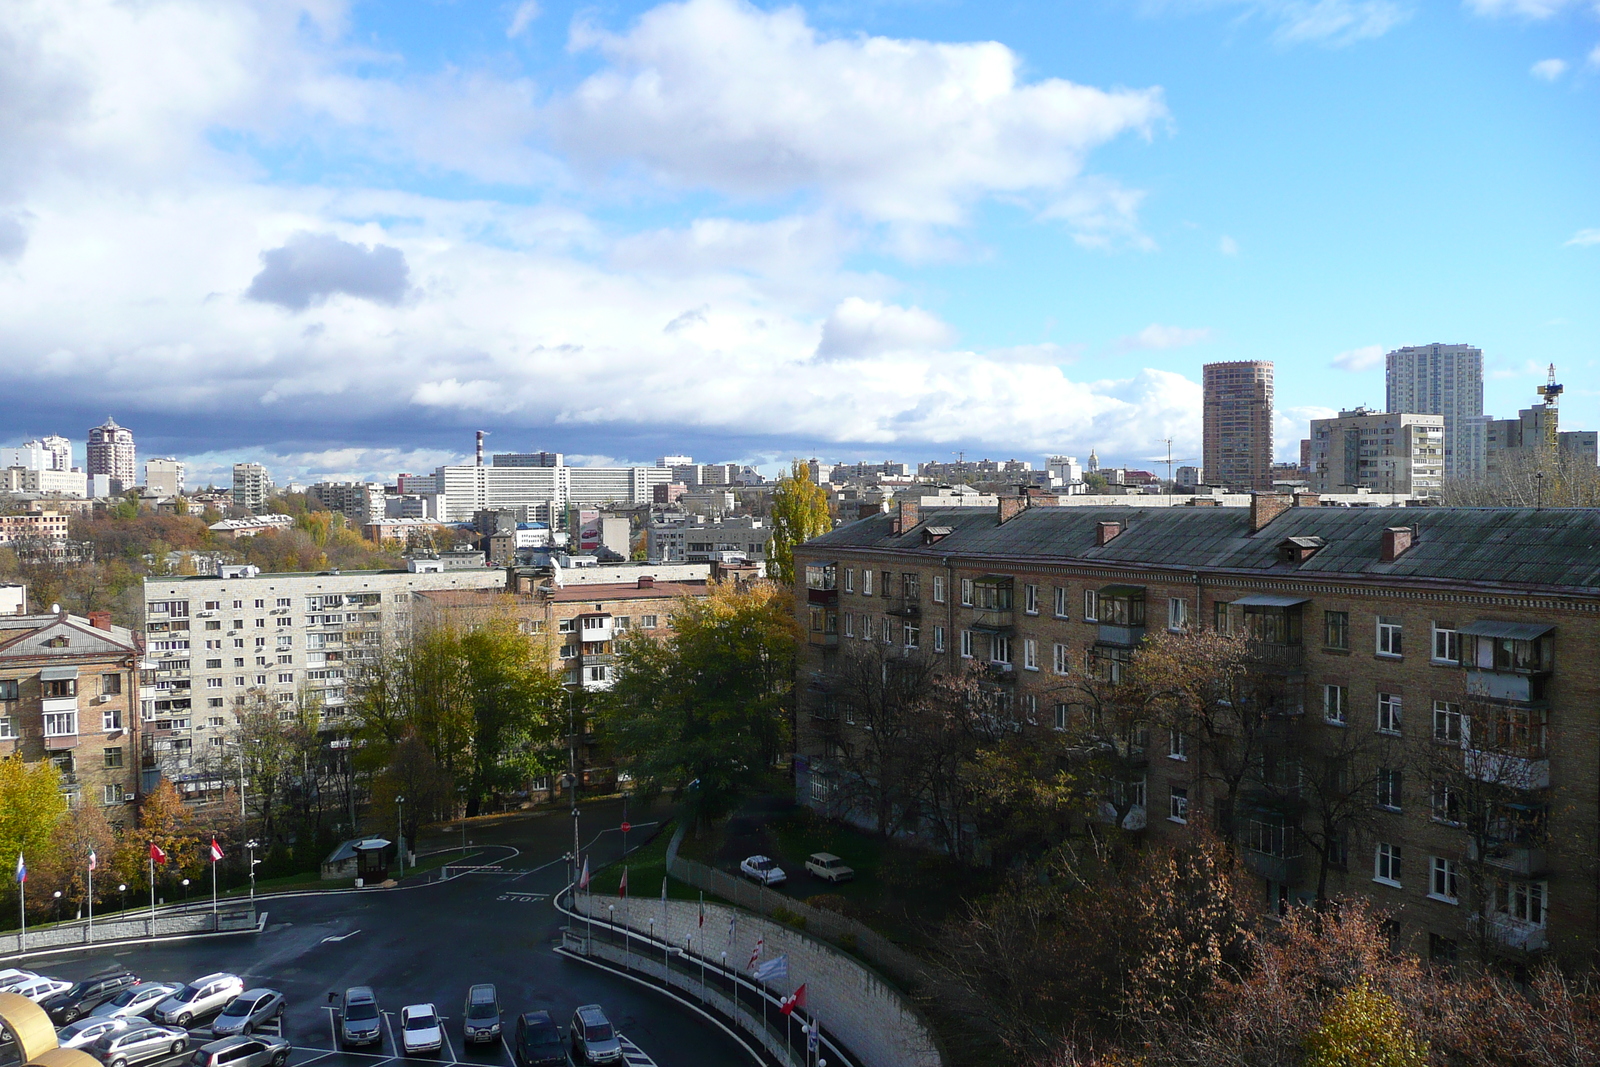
(127, 798)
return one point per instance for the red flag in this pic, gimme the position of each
(622, 890)
(216, 851)
(156, 853)
(583, 879)
(94, 861)
(797, 999)
(755, 953)
(702, 912)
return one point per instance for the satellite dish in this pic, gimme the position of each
(55, 609)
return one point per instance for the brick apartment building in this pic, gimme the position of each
(67, 692)
(1466, 637)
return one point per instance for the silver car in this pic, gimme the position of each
(243, 1050)
(136, 1002)
(200, 997)
(139, 1044)
(87, 1031)
(247, 1011)
(594, 1039)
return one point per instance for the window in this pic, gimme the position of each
(913, 636)
(1389, 713)
(1063, 659)
(910, 586)
(286, 678)
(213, 683)
(565, 626)
(1522, 902)
(938, 638)
(849, 625)
(287, 640)
(110, 719)
(866, 627)
(1030, 654)
(938, 589)
(111, 794)
(60, 723)
(1030, 599)
(285, 602)
(261, 623)
(866, 581)
(1446, 644)
(1177, 613)
(849, 579)
(1061, 602)
(57, 688)
(888, 630)
(999, 648)
(9, 689)
(8, 728)
(1061, 716)
(1443, 949)
(1443, 881)
(238, 642)
(622, 623)
(1091, 605)
(111, 684)
(213, 625)
(1335, 704)
(1389, 636)
(261, 642)
(1446, 804)
(966, 644)
(886, 581)
(261, 603)
(214, 702)
(1336, 630)
(213, 605)
(648, 622)
(966, 592)
(1177, 745)
(239, 662)
(1221, 620)
(1386, 864)
(1388, 782)
(1449, 725)
(1178, 804)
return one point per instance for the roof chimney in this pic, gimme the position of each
(1264, 507)
(647, 581)
(100, 620)
(1396, 540)
(1011, 507)
(908, 516)
(1306, 499)
(1106, 532)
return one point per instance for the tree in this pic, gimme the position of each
(1364, 1028)
(165, 821)
(799, 513)
(31, 807)
(414, 774)
(705, 713)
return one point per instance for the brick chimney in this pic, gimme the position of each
(908, 516)
(1305, 499)
(100, 620)
(1204, 502)
(1040, 497)
(1011, 507)
(1396, 540)
(1106, 532)
(1264, 507)
(647, 581)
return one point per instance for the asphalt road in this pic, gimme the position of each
(427, 941)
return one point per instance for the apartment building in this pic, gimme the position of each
(361, 502)
(163, 476)
(540, 482)
(49, 482)
(1506, 441)
(66, 690)
(252, 485)
(1237, 424)
(111, 452)
(1458, 640)
(694, 538)
(35, 526)
(1443, 380)
(1387, 453)
(214, 642)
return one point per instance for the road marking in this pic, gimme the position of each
(446, 1035)
(523, 898)
(340, 937)
(632, 1054)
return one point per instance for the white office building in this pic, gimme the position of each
(539, 482)
(1443, 380)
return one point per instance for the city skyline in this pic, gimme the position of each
(501, 226)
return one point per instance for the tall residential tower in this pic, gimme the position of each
(1238, 425)
(111, 453)
(1443, 380)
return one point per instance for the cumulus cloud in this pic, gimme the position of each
(860, 328)
(1159, 338)
(310, 267)
(1360, 359)
(719, 94)
(1585, 237)
(1292, 425)
(1548, 69)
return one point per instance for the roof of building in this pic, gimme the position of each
(27, 637)
(573, 593)
(1552, 548)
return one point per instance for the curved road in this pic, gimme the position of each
(428, 940)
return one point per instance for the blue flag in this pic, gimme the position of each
(22, 869)
(773, 970)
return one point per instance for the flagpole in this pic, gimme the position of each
(91, 897)
(152, 893)
(22, 902)
(213, 893)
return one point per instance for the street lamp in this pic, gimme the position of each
(58, 905)
(123, 889)
(186, 892)
(400, 831)
(250, 847)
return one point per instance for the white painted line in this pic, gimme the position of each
(333, 1031)
(340, 937)
(446, 1035)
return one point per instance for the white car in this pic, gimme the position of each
(763, 869)
(87, 1031)
(135, 1002)
(36, 989)
(200, 997)
(420, 1029)
(14, 977)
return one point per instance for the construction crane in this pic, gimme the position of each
(1551, 392)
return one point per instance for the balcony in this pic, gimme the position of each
(1520, 860)
(908, 607)
(822, 596)
(1520, 936)
(1119, 636)
(1282, 869)
(60, 742)
(824, 640)
(1513, 772)
(994, 620)
(1506, 685)
(60, 705)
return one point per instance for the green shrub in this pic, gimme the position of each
(784, 915)
(1364, 1028)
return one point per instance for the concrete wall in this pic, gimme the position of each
(135, 926)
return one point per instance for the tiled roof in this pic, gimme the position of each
(1553, 548)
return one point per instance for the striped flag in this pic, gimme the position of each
(216, 851)
(755, 953)
(583, 879)
(774, 970)
(22, 869)
(622, 890)
(93, 860)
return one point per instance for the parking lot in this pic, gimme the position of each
(426, 944)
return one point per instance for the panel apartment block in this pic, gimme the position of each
(1443, 380)
(1237, 448)
(1387, 453)
(1385, 621)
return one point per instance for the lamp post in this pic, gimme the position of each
(58, 905)
(123, 889)
(400, 831)
(186, 892)
(250, 847)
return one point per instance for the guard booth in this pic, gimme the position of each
(364, 858)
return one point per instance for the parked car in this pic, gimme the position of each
(140, 1044)
(41, 989)
(420, 1029)
(538, 1041)
(83, 996)
(481, 1015)
(247, 1011)
(136, 1002)
(359, 1022)
(243, 1050)
(87, 1031)
(829, 868)
(200, 997)
(12, 976)
(594, 1039)
(763, 869)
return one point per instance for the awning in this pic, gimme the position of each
(1516, 631)
(1122, 591)
(1266, 600)
(58, 674)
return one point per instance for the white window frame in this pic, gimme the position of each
(110, 719)
(938, 589)
(866, 627)
(938, 638)
(912, 635)
(1450, 639)
(8, 728)
(1091, 605)
(1178, 804)
(1030, 600)
(1063, 659)
(866, 581)
(966, 644)
(61, 723)
(999, 648)
(110, 794)
(849, 579)
(1386, 859)
(1061, 716)
(1177, 614)
(1390, 637)
(1389, 783)
(1444, 880)
(1061, 602)
(1447, 719)
(849, 625)
(1336, 705)
(888, 630)
(966, 592)
(1030, 654)
(1177, 745)
(1525, 903)
(1390, 713)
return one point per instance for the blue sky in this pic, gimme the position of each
(338, 237)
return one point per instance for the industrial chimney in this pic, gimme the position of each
(480, 448)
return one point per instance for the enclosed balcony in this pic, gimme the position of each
(822, 583)
(1120, 612)
(992, 602)
(1507, 661)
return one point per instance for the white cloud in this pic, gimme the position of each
(1528, 9)
(860, 328)
(718, 94)
(334, 464)
(1360, 359)
(1548, 69)
(1332, 22)
(1228, 246)
(522, 18)
(1158, 337)
(1584, 238)
(1291, 426)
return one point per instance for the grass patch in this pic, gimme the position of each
(646, 866)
